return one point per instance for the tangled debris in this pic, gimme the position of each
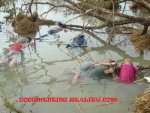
(135, 6)
(121, 30)
(141, 42)
(23, 24)
(142, 103)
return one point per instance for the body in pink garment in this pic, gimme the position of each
(127, 73)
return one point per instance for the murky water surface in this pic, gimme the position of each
(41, 73)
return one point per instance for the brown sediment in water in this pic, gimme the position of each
(23, 24)
(141, 42)
(142, 103)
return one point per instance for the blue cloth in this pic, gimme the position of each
(51, 32)
(80, 41)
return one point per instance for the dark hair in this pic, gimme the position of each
(61, 25)
(29, 39)
(117, 70)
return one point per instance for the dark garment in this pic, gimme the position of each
(29, 39)
(80, 41)
(87, 67)
(95, 72)
(51, 32)
(98, 72)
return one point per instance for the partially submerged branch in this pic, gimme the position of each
(99, 13)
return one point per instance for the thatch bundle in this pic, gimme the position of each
(25, 25)
(141, 42)
(142, 103)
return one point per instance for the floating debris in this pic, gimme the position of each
(141, 42)
(142, 103)
(23, 24)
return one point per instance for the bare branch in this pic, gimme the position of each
(47, 11)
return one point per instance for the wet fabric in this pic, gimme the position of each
(87, 67)
(54, 29)
(98, 72)
(16, 47)
(80, 41)
(51, 32)
(95, 72)
(127, 74)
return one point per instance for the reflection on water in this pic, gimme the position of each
(41, 74)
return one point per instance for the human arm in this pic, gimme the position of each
(106, 63)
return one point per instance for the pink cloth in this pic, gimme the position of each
(127, 74)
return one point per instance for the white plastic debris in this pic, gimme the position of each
(147, 78)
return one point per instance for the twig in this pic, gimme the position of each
(48, 11)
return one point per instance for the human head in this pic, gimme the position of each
(127, 61)
(29, 39)
(61, 24)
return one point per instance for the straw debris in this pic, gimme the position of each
(23, 24)
(142, 103)
(141, 42)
